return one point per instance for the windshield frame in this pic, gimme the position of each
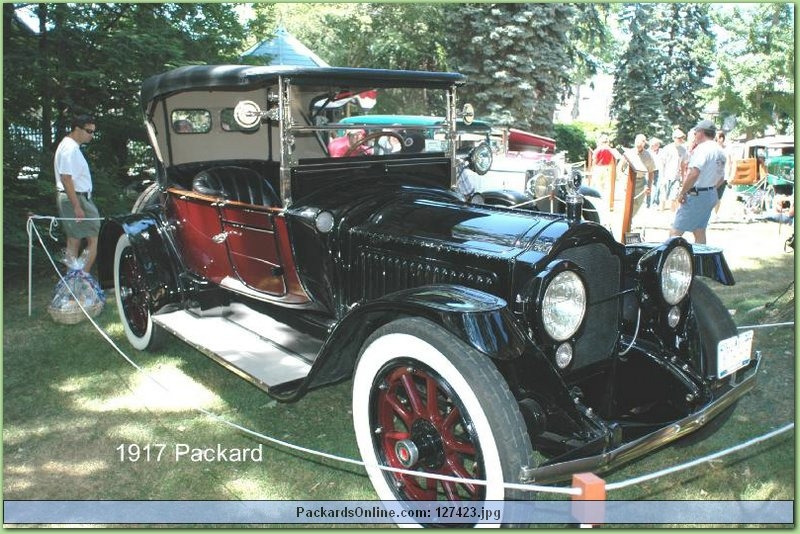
(298, 115)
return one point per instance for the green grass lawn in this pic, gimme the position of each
(75, 412)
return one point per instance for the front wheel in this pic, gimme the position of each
(133, 298)
(424, 400)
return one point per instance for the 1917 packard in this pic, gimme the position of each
(482, 342)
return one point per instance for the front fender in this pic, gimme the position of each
(587, 191)
(154, 251)
(708, 261)
(479, 319)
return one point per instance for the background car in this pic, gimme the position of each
(762, 169)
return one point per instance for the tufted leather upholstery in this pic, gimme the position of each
(236, 183)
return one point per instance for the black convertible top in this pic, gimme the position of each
(200, 77)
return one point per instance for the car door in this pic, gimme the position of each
(196, 222)
(230, 243)
(249, 233)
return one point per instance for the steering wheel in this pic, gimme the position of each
(371, 137)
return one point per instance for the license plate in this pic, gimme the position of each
(734, 353)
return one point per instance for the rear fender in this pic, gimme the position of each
(154, 250)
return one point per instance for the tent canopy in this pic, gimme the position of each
(285, 49)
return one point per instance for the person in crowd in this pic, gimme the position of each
(723, 184)
(782, 210)
(655, 153)
(691, 141)
(698, 193)
(74, 186)
(644, 180)
(674, 158)
(602, 162)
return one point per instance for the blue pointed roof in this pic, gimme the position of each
(285, 49)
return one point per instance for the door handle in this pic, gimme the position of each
(222, 236)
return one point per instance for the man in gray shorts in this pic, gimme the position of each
(74, 185)
(698, 194)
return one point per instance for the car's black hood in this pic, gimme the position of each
(485, 230)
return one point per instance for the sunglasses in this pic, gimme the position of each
(87, 130)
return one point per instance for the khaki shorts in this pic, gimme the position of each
(83, 228)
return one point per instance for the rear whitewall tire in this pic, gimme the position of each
(132, 300)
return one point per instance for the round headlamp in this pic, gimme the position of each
(563, 305)
(676, 275)
(324, 222)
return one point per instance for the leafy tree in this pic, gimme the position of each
(385, 36)
(571, 138)
(92, 58)
(686, 43)
(517, 57)
(636, 102)
(592, 48)
(261, 26)
(755, 85)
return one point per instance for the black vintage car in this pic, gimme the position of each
(482, 342)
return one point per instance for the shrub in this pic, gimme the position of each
(572, 139)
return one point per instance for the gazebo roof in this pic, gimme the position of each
(285, 49)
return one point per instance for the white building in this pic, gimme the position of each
(593, 100)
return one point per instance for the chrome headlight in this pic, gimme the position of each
(563, 305)
(676, 275)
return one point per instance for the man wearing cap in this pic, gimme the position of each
(674, 158)
(74, 185)
(698, 194)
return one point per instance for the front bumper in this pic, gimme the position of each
(639, 447)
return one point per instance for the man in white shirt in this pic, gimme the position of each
(74, 186)
(698, 194)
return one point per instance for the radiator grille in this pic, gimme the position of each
(602, 272)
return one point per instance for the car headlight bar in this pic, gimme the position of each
(562, 304)
(676, 275)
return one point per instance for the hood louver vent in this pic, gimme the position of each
(381, 274)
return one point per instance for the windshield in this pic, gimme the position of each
(369, 122)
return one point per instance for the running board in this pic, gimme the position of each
(255, 346)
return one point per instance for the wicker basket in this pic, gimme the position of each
(73, 314)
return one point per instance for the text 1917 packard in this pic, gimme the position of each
(482, 342)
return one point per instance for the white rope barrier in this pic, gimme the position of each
(769, 325)
(675, 469)
(297, 448)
